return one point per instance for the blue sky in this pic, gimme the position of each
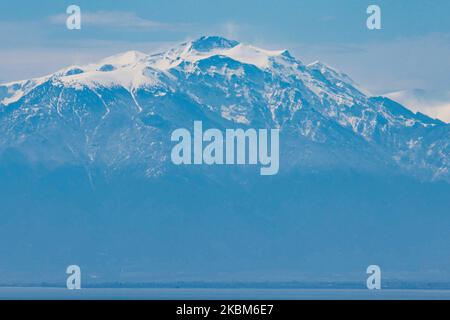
(410, 52)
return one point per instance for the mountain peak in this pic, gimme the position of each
(208, 43)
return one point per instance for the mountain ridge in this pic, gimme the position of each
(86, 176)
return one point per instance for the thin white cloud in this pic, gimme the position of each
(115, 19)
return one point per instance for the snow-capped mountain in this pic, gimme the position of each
(86, 175)
(119, 112)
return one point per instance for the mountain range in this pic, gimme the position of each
(85, 163)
